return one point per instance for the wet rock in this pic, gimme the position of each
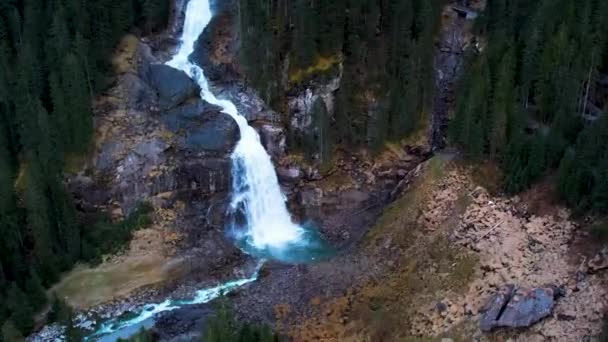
(217, 133)
(173, 86)
(599, 262)
(52, 333)
(207, 131)
(273, 139)
(518, 307)
(300, 105)
(191, 109)
(289, 174)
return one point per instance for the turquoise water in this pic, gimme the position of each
(309, 249)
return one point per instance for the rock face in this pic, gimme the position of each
(599, 262)
(454, 38)
(173, 86)
(300, 103)
(158, 142)
(517, 307)
(204, 128)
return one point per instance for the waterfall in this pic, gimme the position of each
(256, 189)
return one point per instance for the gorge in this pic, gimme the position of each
(347, 170)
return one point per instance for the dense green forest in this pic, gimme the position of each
(531, 98)
(54, 56)
(386, 49)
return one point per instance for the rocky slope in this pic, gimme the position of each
(436, 257)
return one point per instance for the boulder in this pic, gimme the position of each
(217, 132)
(173, 86)
(203, 127)
(273, 138)
(518, 307)
(190, 110)
(289, 174)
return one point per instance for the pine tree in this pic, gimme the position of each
(58, 41)
(21, 311)
(60, 311)
(35, 291)
(502, 104)
(39, 221)
(80, 121)
(304, 40)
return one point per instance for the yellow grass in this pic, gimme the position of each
(321, 64)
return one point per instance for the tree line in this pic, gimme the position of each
(386, 48)
(530, 98)
(54, 57)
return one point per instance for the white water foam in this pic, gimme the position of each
(110, 329)
(256, 187)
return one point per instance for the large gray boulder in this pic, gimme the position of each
(518, 307)
(173, 86)
(202, 128)
(218, 133)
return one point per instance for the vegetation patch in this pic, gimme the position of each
(321, 65)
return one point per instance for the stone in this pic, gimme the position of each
(599, 262)
(173, 86)
(273, 139)
(191, 109)
(289, 174)
(217, 133)
(566, 315)
(518, 307)
(203, 128)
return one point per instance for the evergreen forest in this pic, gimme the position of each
(386, 49)
(530, 98)
(54, 57)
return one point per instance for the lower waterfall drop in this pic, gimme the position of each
(256, 187)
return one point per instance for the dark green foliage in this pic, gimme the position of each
(60, 311)
(525, 100)
(224, 328)
(600, 231)
(386, 48)
(604, 335)
(10, 333)
(35, 291)
(19, 305)
(54, 57)
(109, 237)
(583, 171)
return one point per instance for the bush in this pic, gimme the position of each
(224, 328)
(108, 237)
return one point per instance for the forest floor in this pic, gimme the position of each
(443, 249)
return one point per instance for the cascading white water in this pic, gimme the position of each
(256, 187)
